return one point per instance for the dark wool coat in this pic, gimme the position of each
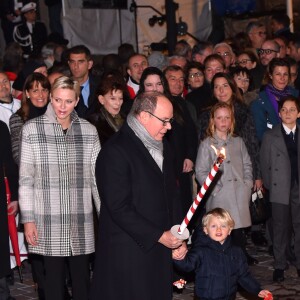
(244, 128)
(183, 140)
(139, 203)
(201, 98)
(7, 164)
(106, 128)
(218, 269)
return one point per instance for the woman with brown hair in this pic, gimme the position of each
(107, 116)
(34, 103)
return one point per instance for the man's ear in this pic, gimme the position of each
(205, 230)
(90, 64)
(128, 71)
(143, 117)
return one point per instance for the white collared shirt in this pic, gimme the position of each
(288, 130)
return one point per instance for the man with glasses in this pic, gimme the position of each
(31, 34)
(257, 34)
(269, 50)
(138, 191)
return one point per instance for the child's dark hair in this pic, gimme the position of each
(289, 98)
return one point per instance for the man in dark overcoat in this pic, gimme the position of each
(140, 203)
(8, 169)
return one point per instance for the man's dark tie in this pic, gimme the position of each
(291, 135)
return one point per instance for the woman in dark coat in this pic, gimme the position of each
(107, 117)
(8, 169)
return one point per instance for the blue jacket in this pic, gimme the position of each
(264, 114)
(218, 269)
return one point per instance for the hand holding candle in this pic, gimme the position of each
(182, 231)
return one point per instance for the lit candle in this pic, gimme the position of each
(182, 231)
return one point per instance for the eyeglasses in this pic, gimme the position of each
(224, 54)
(198, 74)
(292, 110)
(243, 61)
(260, 33)
(164, 122)
(266, 51)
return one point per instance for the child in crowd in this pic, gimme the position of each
(280, 161)
(231, 189)
(219, 265)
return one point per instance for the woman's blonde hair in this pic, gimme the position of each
(221, 214)
(65, 82)
(211, 126)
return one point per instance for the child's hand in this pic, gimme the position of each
(267, 295)
(180, 252)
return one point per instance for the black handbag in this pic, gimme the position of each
(259, 208)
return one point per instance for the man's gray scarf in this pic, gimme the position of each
(154, 147)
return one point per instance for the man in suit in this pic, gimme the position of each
(280, 164)
(30, 34)
(80, 63)
(138, 192)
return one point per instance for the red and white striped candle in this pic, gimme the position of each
(216, 166)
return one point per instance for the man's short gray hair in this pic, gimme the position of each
(145, 101)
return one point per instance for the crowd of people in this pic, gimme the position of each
(103, 160)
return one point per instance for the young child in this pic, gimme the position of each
(219, 266)
(231, 188)
(280, 161)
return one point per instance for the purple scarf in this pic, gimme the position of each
(275, 95)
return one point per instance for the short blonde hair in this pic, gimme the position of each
(219, 213)
(65, 82)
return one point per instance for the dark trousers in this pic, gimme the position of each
(4, 289)
(55, 275)
(238, 238)
(281, 216)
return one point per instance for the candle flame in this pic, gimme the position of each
(220, 152)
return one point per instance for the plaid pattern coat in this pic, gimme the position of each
(57, 181)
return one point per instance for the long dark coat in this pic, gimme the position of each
(139, 203)
(7, 164)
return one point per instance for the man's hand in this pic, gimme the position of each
(12, 208)
(31, 233)
(187, 166)
(180, 252)
(169, 240)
